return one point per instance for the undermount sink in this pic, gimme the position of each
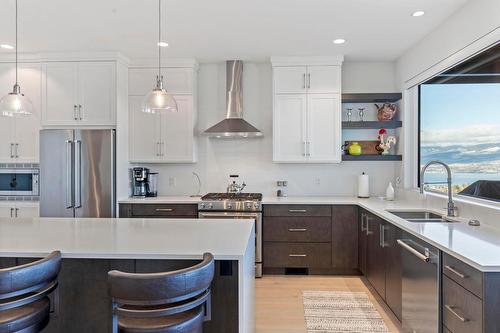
(421, 217)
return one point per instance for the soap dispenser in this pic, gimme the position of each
(389, 192)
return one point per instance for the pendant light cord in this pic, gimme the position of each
(159, 39)
(16, 42)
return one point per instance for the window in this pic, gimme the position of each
(460, 123)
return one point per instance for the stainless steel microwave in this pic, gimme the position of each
(19, 182)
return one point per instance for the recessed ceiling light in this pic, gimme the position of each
(339, 41)
(418, 13)
(7, 46)
(163, 44)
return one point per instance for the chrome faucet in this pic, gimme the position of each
(452, 209)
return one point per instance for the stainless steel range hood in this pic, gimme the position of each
(234, 126)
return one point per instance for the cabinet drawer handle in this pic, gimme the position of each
(75, 112)
(12, 212)
(297, 229)
(297, 255)
(164, 209)
(11, 150)
(17, 150)
(454, 271)
(297, 210)
(451, 309)
(80, 112)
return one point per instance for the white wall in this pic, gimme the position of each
(472, 28)
(475, 20)
(252, 158)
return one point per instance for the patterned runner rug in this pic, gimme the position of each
(341, 311)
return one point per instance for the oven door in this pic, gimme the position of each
(257, 217)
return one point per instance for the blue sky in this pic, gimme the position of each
(461, 114)
(452, 106)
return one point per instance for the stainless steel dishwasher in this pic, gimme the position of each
(421, 285)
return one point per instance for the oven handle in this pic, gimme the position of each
(222, 215)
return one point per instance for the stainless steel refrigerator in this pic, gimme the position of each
(77, 173)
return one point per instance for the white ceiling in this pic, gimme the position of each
(213, 30)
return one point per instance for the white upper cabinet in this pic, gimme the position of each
(144, 132)
(79, 94)
(289, 128)
(19, 135)
(323, 118)
(96, 93)
(307, 106)
(290, 80)
(169, 137)
(307, 79)
(60, 93)
(323, 79)
(177, 136)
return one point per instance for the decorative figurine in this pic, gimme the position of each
(386, 111)
(385, 144)
(361, 112)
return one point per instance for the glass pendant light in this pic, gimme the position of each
(159, 100)
(15, 103)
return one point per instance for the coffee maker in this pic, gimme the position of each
(144, 183)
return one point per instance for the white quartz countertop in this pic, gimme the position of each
(162, 200)
(125, 238)
(477, 246)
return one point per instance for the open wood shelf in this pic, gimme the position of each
(372, 157)
(369, 98)
(391, 124)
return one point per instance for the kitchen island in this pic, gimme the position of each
(92, 247)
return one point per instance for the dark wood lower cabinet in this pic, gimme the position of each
(319, 239)
(139, 210)
(345, 237)
(362, 240)
(84, 304)
(393, 269)
(375, 259)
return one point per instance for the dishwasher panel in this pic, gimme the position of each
(421, 285)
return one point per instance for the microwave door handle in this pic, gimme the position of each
(78, 174)
(69, 187)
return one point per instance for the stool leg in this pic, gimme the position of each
(114, 319)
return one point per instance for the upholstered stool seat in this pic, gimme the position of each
(167, 302)
(189, 321)
(25, 305)
(33, 315)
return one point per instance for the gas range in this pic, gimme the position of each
(242, 202)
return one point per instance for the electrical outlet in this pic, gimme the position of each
(171, 181)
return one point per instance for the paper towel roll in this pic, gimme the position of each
(363, 186)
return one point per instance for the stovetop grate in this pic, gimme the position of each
(233, 196)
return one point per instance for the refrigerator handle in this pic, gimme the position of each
(69, 196)
(78, 174)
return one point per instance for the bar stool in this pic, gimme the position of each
(177, 301)
(24, 294)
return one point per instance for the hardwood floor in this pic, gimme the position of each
(279, 301)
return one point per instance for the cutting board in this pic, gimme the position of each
(367, 147)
